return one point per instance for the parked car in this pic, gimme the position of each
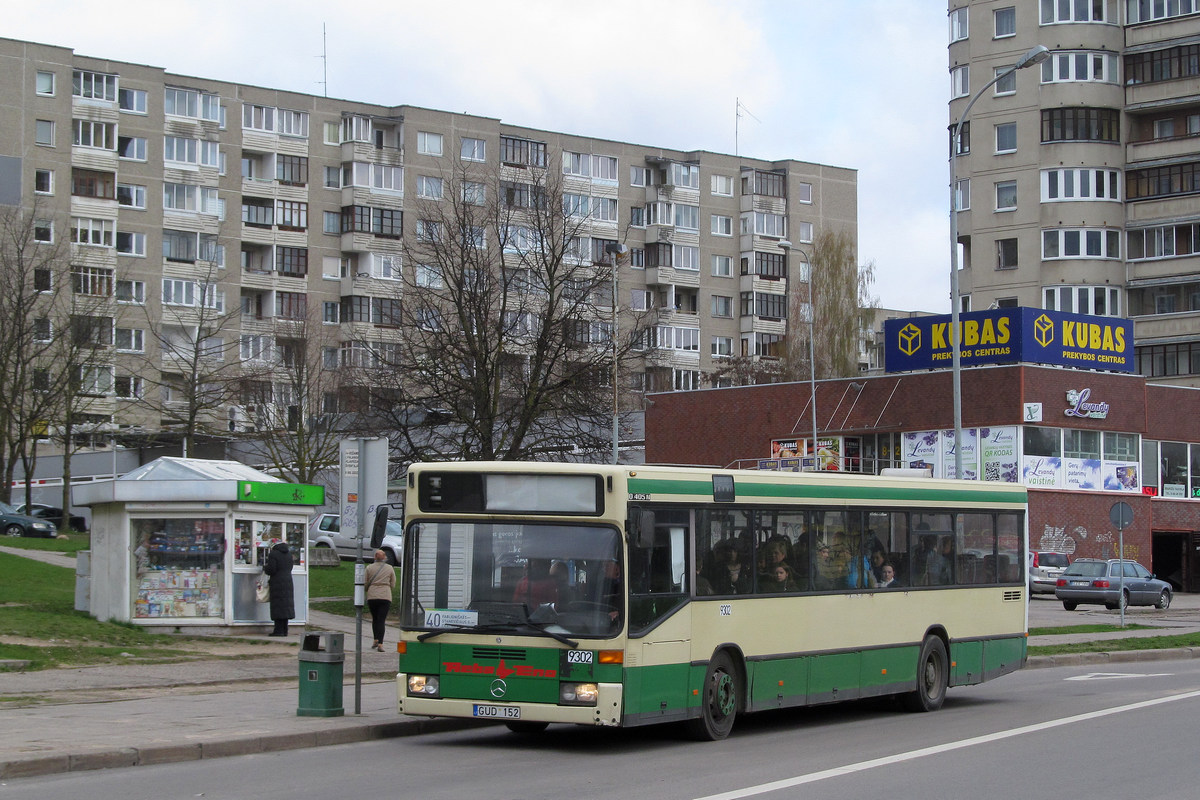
(1099, 582)
(1044, 569)
(53, 514)
(326, 531)
(14, 523)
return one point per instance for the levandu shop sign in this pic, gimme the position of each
(1010, 336)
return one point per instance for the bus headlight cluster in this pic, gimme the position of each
(423, 686)
(577, 694)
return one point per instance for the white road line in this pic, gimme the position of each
(862, 766)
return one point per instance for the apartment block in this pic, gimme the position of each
(195, 195)
(1078, 179)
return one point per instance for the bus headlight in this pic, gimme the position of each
(423, 686)
(577, 694)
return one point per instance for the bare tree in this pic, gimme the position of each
(299, 420)
(840, 293)
(505, 345)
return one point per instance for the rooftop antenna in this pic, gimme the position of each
(737, 119)
(324, 62)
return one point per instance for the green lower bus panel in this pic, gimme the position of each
(658, 693)
(778, 683)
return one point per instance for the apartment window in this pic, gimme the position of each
(579, 164)
(131, 196)
(1164, 241)
(764, 224)
(94, 281)
(1080, 183)
(132, 101)
(43, 181)
(258, 212)
(98, 232)
(722, 225)
(802, 193)
(179, 246)
(522, 152)
(291, 261)
(291, 170)
(1081, 243)
(94, 85)
(292, 215)
(1167, 64)
(604, 209)
(637, 258)
(474, 194)
(291, 305)
(722, 266)
(604, 168)
(473, 149)
(387, 179)
(804, 232)
(293, 123)
(1055, 11)
(100, 135)
(641, 299)
(960, 81)
(1005, 20)
(766, 265)
(762, 304)
(43, 330)
(133, 292)
(429, 144)
(42, 279)
(1081, 124)
(131, 148)
(768, 184)
(1006, 196)
(686, 175)
(1101, 301)
(387, 222)
(958, 24)
(1162, 181)
(131, 340)
(181, 102)
(429, 187)
(1006, 137)
(640, 176)
(44, 83)
(94, 379)
(129, 387)
(962, 194)
(1005, 85)
(385, 267)
(90, 183)
(1006, 254)
(964, 138)
(722, 306)
(44, 132)
(330, 312)
(131, 244)
(1080, 65)
(769, 345)
(43, 231)
(179, 149)
(258, 118)
(180, 197)
(687, 257)
(176, 292)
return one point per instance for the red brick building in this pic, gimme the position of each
(1118, 438)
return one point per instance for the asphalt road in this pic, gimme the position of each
(1118, 731)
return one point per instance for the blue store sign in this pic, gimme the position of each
(1010, 336)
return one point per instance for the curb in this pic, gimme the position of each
(1115, 657)
(173, 753)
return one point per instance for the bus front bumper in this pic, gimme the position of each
(606, 712)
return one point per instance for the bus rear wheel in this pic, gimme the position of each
(719, 702)
(932, 677)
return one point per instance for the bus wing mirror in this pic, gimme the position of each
(641, 528)
(379, 528)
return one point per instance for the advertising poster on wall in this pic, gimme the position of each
(970, 454)
(1121, 476)
(921, 451)
(1081, 473)
(784, 448)
(998, 453)
(829, 453)
(1041, 471)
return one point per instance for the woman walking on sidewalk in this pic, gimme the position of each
(278, 567)
(380, 579)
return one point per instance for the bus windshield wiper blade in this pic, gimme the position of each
(544, 628)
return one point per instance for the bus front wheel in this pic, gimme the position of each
(932, 677)
(719, 704)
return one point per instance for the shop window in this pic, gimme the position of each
(180, 567)
(1042, 442)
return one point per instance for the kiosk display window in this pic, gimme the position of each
(253, 538)
(179, 567)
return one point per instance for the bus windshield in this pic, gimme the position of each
(555, 580)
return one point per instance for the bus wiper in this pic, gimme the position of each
(490, 627)
(544, 627)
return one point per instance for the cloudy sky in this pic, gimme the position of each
(853, 83)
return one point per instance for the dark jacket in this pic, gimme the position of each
(279, 567)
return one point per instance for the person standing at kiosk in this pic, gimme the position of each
(278, 567)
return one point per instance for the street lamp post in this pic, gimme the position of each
(1035, 56)
(615, 250)
(812, 335)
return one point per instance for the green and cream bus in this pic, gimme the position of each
(630, 595)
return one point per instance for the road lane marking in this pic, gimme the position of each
(911, 755)
(1108, 676)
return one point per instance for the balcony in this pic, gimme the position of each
(1162, 149)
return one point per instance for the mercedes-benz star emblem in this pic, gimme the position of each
(499, 687)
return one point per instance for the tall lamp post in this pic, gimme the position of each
(812, 335)
(615, 250)
(1035, 56)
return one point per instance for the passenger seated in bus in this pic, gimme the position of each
(878, 559)
(778, 579)
(858, 568)
(889, 580)
(729, 575)
(536, 586)
(824, 569)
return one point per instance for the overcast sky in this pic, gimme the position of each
(853, 83)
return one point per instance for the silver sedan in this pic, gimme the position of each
(1112, 583)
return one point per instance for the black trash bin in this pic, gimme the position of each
(321, 658)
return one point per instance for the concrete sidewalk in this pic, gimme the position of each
(121, 715)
